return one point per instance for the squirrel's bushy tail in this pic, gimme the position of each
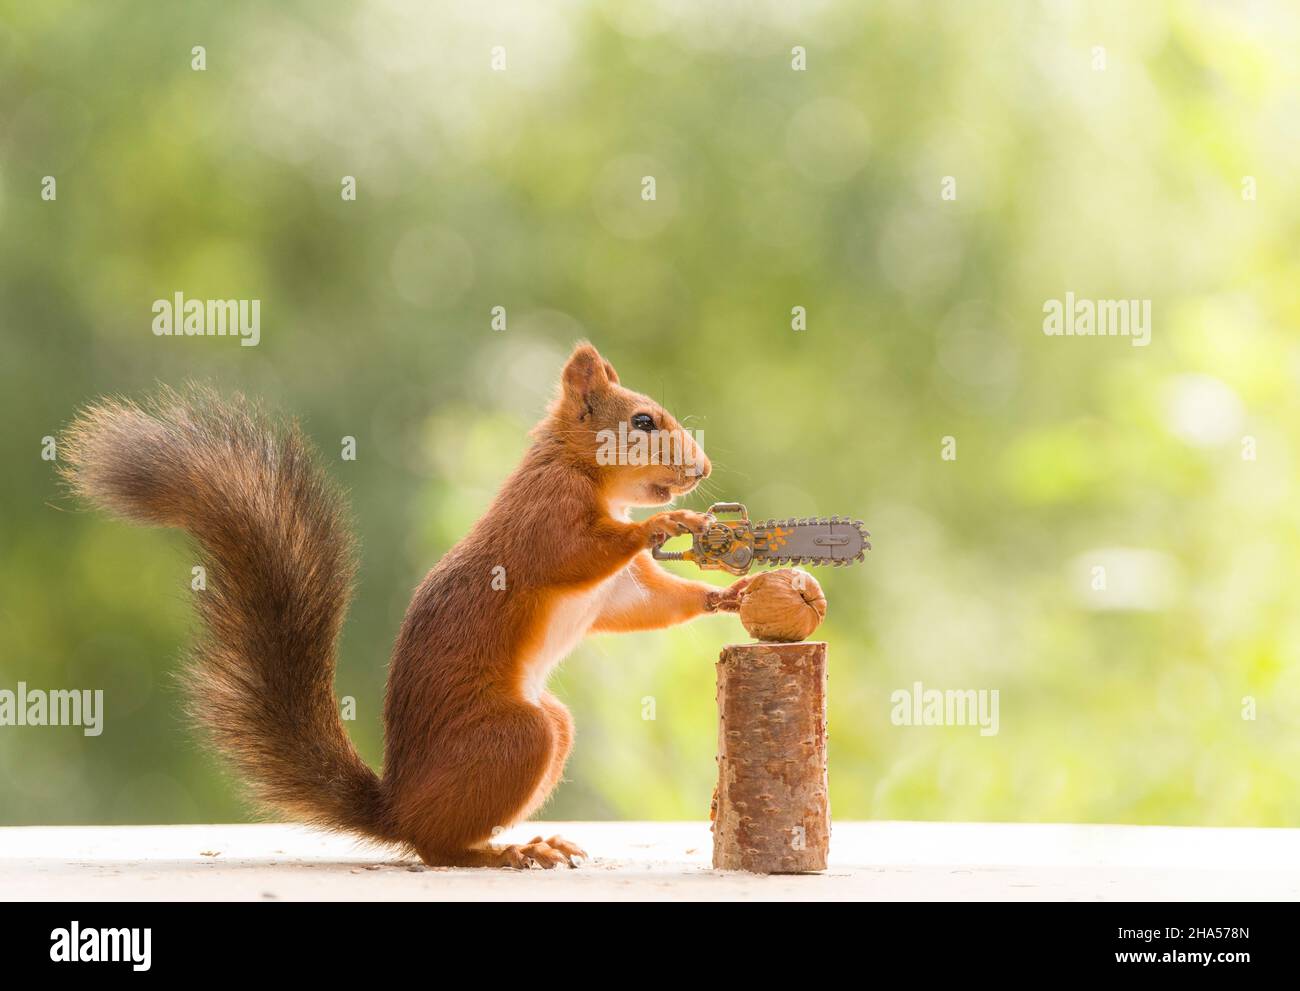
(279, 559)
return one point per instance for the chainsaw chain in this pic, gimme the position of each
(817, 521)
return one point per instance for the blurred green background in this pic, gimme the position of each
(775, 188)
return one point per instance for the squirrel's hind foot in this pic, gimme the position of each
(537, 852)
(543, 853)
(573, 854)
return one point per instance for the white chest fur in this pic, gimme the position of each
(571, 618)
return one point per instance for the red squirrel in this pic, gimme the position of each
(473, 741)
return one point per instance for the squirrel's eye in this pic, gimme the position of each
(643, 421)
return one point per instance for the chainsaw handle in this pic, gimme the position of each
(659, 554)
(694, 554)
(729, 507)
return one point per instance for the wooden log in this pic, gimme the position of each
(771, 810)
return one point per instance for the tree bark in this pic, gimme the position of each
(771, 810)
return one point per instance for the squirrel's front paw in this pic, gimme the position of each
(727, 599)
(663, 526)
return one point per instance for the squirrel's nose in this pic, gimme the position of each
(705, 466)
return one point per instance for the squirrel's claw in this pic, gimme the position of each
(572, 852)
(728, 599)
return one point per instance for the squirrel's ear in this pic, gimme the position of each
(586, 373)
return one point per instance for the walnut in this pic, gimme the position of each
(785, 605)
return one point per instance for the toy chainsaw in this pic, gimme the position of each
(735, 545)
